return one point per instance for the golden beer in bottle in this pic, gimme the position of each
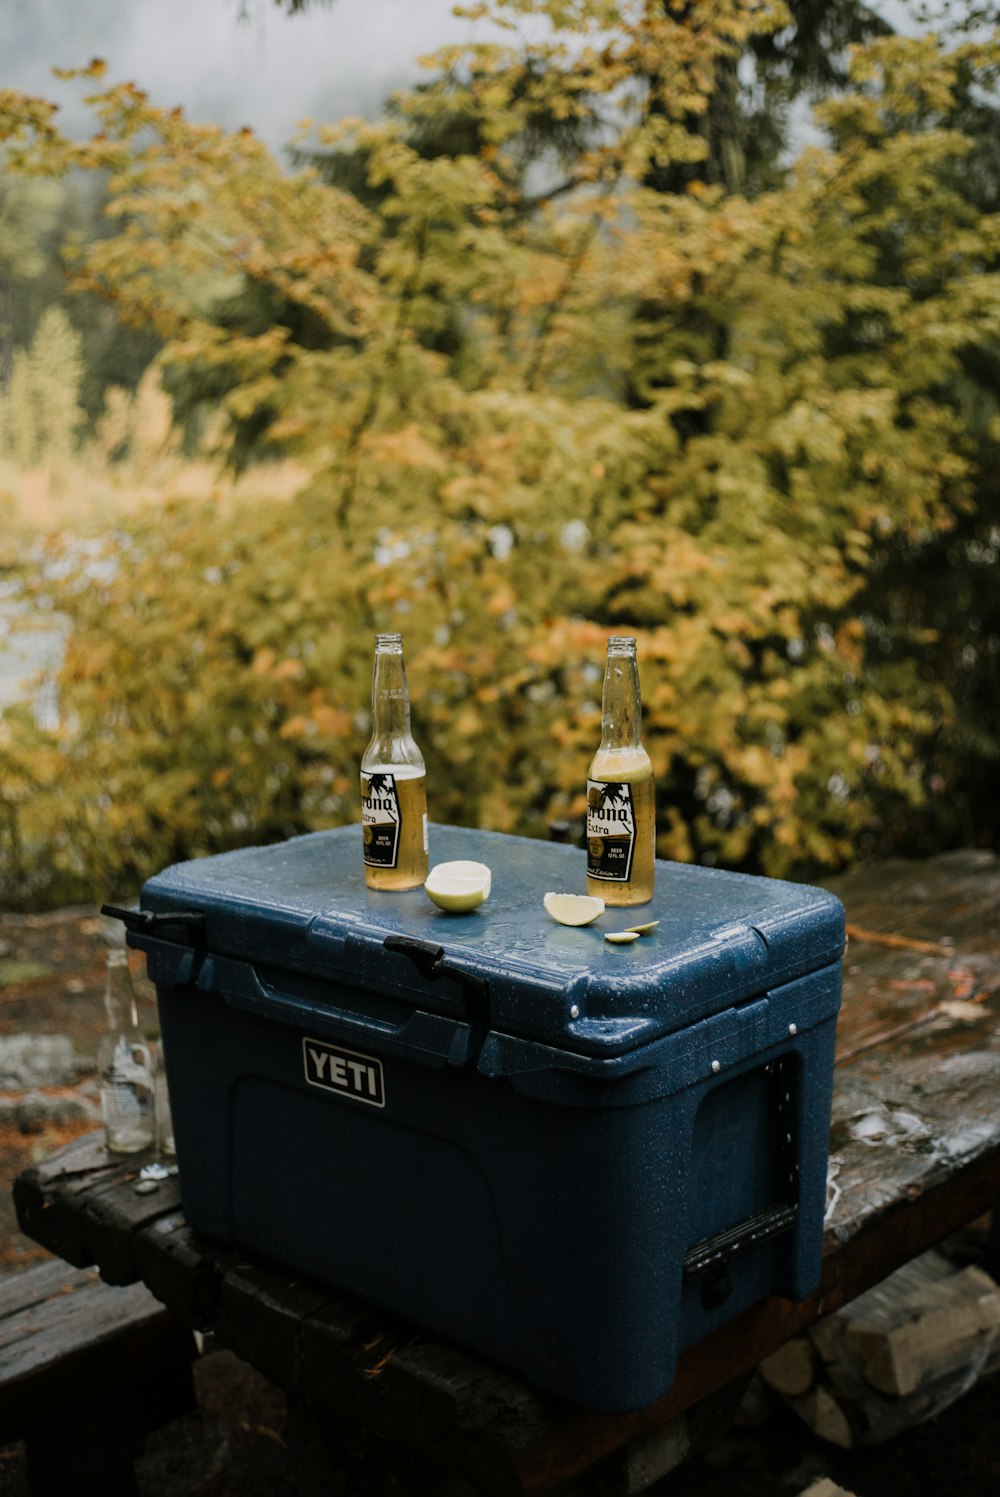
(621, 795)
(393, 780)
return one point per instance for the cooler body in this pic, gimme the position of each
(570, 1164)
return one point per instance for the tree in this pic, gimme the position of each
(41, 414)
(936, 593)
(42, 224)
(27, 212)
(699, 415)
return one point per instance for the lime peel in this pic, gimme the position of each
(642, 930)
(621, 937)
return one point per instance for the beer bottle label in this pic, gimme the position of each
(380, 819)
(610, 830)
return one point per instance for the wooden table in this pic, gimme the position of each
(915, 1154)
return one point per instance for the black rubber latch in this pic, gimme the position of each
(425, 956)
(430, 963)
(149, 920)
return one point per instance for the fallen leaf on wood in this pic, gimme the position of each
(906, 943)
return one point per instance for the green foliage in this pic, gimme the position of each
(136, 432)
(27, 211)
(27, 214)
(713, 419)
(40, 415)
(43, 224)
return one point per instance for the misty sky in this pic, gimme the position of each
(269, 73)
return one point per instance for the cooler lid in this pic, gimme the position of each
(302, 906)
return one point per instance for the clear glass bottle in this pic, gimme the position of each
(393, 780)
(621, 795)
(125, 1065)
(161, 1099)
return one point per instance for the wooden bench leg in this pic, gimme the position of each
(647, 1459)
(336, 1457)
(86, 1372)
(83, 1453)
(86, 1447)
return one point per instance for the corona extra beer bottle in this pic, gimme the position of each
(393, 780)
(621, 797)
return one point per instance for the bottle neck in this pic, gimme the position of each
(621, 709)
(119, 995)
(390, 698)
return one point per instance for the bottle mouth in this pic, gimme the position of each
(389, 642)
(621, 644)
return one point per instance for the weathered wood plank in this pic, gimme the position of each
(263, 1314)
(179, 1269)
(81, 1203)
(915, 1153)
(65, 1336)
(438, 1397)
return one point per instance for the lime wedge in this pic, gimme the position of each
(573, 909)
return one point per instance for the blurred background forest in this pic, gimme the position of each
(663, 316)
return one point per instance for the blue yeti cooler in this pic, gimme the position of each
(573, 1158)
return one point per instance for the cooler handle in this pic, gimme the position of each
(430, 963)
(707, 1259)
(427, 1038)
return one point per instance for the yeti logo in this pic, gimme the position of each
(358, 1077)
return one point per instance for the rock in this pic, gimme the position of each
(32, 1060)
(34, 1111)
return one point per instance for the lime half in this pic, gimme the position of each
(458, 886)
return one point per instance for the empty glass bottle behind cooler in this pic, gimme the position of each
(161, 1101)
(127, 1093)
